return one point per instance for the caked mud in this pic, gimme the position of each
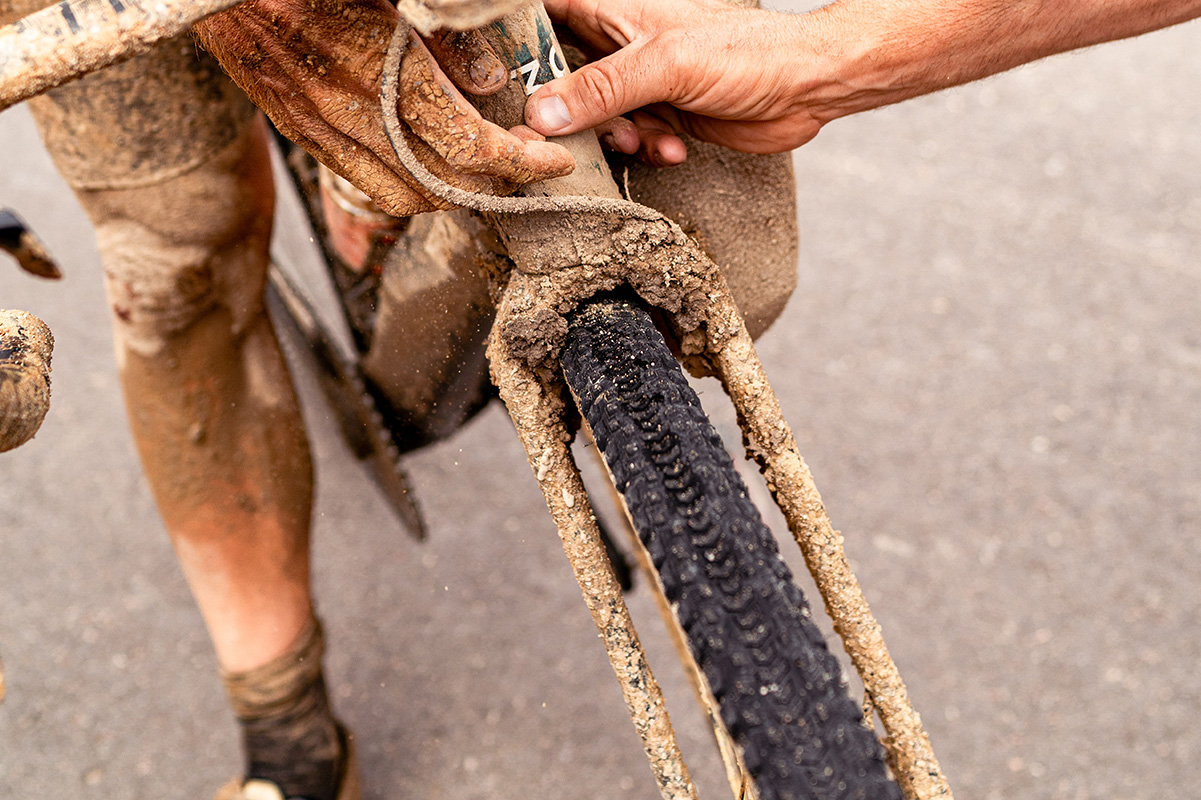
(25, 349)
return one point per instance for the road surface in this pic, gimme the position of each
(993, 367)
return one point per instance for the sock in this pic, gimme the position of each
(289, 734)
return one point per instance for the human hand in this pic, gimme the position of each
(703, 67)
(315, 67)
(761, 81)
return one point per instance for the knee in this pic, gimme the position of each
(177, 250)
(158, 288)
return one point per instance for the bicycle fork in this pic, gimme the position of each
(655, 258)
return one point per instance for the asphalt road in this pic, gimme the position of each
(993, 366)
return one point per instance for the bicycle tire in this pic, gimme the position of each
(781, 693)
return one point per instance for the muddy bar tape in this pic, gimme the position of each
(72, 38)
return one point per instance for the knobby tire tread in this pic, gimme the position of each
(781, 692)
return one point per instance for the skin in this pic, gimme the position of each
(314, 66)
(766, 82)
(210, 404)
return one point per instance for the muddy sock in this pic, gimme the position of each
(289, 734)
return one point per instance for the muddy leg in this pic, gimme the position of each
(171, 164)
(166, 158)
(209, 398)
(168, 161)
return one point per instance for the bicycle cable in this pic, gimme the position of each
(479, 201)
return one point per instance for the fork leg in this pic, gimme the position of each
(772, 445)
(538, 416)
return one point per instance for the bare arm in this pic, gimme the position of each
(763, 81)
(887, 52)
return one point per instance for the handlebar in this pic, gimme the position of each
(74, 37)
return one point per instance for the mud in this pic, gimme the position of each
(435, 311)
(232, 478)
(741, 210)
(144, 121)
(65, 41)
(209, 397)
(434, 115)
(770, 443)
(139, 122)
(569, 247)
(317, 75)
(735, 768)
(182, 207)
(538, 416)
(712, 330)
(25, 349)
(167, 265)
(567, 259)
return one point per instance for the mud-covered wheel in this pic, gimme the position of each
(25, 348)
(781, 694)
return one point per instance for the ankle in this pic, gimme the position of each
(289, 734)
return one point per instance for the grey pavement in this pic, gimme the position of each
(993, 366)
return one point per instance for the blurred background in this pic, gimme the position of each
(992, 365)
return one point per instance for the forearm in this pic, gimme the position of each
(869, 54)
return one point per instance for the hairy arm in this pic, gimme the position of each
(763, 81)
(882, 53)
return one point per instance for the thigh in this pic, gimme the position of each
(143, 121)
(165, 155)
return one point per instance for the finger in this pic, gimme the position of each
(583, 18)
(442, 118)
(628, 79)
(657, 134)
(468, 60)
(527, 134)
(536, 146)
(619, 134)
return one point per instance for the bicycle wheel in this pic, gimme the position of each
(780, 692)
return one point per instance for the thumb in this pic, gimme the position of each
(621, 82)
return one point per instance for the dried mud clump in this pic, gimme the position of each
(25, 347)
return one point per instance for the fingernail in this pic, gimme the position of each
(487, 71)
(553, 114)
